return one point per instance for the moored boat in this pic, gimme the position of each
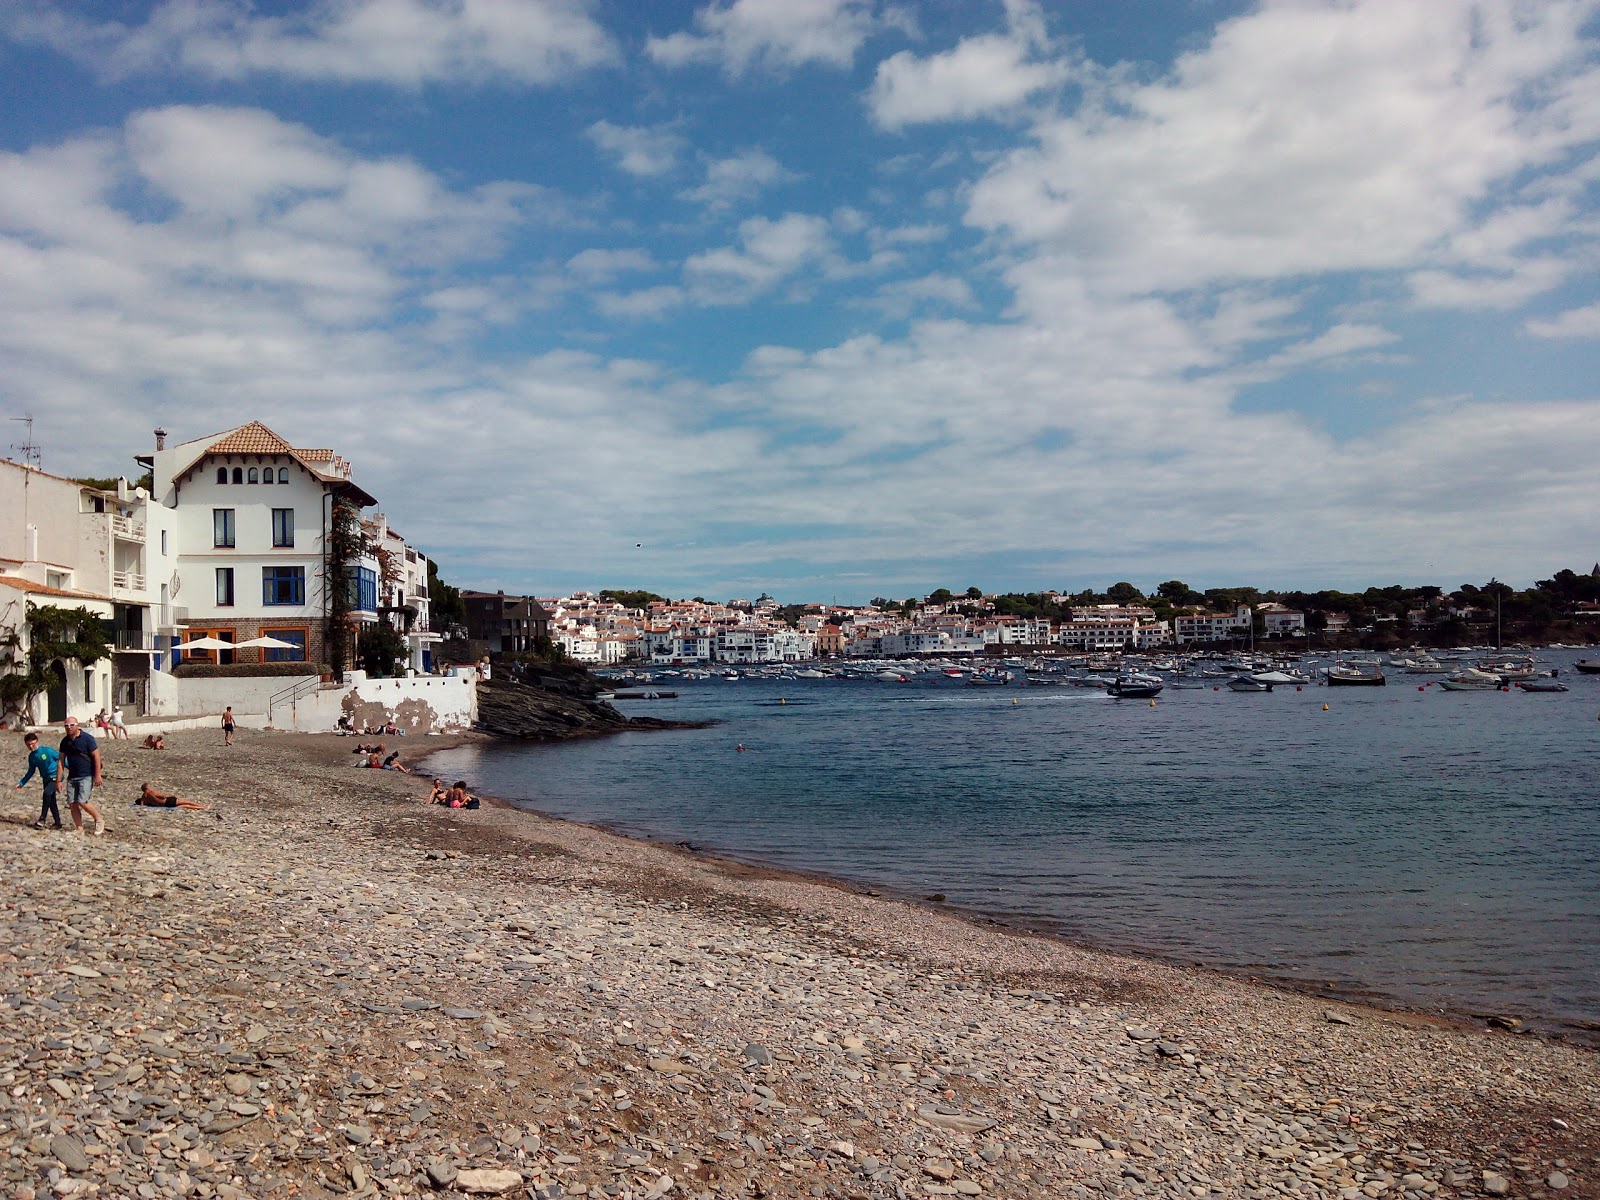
(1248, 683)
(1587, 666)
(1472, 680)
(1351, 675)
(1542, 685)
(1135, 687)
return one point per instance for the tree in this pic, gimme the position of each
(1124, 593)
(940, 596)
(976, 593)
(379, 648)
(53, 633)
(448, 612)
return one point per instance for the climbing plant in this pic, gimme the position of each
(53, 632)
(344, 547)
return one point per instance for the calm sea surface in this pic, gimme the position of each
(1438, 849)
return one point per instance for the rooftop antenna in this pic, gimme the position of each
(29, 449)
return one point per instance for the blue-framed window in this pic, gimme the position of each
(283, 585)
(296, 653)
(283, 527)
(222, 527)
(361, 588)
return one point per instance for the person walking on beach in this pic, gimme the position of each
(119, 728)
(82, 755)
(227, 726)
(47, 762)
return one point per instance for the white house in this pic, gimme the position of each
(251, 520)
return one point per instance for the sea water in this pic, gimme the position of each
(1436, 849)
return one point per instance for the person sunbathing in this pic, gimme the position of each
(440, 794)
(150, 798)
(392, 763)
(154, 741)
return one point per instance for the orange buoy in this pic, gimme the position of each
(1324, 708)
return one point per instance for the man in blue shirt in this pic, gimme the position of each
(81, 753)
(47, 762)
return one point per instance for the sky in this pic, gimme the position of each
(833, 299)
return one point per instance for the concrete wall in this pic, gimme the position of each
(425, 704)
(170, 696)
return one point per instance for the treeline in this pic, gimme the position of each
(1450, 615)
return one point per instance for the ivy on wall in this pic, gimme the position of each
(53, 633)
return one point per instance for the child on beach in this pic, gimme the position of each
(46, 760)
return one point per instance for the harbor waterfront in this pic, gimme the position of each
(1425, 848)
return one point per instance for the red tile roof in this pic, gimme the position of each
(40, 589)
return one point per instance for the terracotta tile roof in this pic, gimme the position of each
(254, 438)
(40, 589)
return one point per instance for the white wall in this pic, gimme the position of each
(170, 696)
(425, 704)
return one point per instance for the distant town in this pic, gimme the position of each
(612, 627)
(238, 556)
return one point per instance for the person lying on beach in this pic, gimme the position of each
(150, 798)
(363, 748)
(154, 741)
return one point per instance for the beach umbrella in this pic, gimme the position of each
(267, 643)
(207, 643)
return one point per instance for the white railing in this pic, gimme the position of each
(127, 581)
(127, 527)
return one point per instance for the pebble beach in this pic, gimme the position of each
(329, 988)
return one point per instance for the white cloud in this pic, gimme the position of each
(902, 298)
(598, 266)
(1303, 138)
(644, 304)
(405, 42)
(768, 252)
(982, 75)
(739, 178)
(770, 34)
(1574, 323)
(637, 150)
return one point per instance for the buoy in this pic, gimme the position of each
(1152, 703)
(1215, 688)
(1298, 688)
(1324, 708)
(781, 700)
(1419, 687)
(1013, 703)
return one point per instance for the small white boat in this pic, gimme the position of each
(1248, 683)
(1472, 680)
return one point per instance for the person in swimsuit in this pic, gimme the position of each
(150, 798)
(227, 726)
(154, 741)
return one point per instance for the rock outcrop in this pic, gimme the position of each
(507, 708)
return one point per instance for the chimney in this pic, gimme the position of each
(161, 438)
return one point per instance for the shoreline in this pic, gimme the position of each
(1575, 1033)
(337, 989)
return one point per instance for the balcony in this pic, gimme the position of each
(171, 616)
(127, 581)
(135, 639)
(127, 528)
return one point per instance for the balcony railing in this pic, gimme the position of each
(170, 616)
(127, 527)
(127, 581)
(135, 639)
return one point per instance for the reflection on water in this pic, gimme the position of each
(1438, 848)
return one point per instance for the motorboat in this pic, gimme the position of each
(1135, 687)
(1356, 675)
(1587, 666)
(1248, 683)
(890, 677)
(1510, 667)
(1472, 680)
(1542, 685)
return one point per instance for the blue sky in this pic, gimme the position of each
(836, 298)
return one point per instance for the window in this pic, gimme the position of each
(224, 657)
(254, 476)
(283, 585)
(295, 653)
(238, 475)
(224, 587)
(163, 543)
(283, 474)
(222, 527)
(361, 588)
(266, 475)
(222, 474)
(283, 527)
